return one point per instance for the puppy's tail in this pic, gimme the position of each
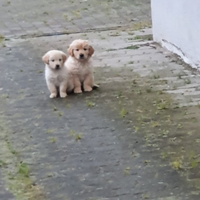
(95, 87)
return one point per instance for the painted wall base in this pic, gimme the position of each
(176, 27)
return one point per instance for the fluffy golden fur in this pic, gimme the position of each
(56, 73)
(79, 65)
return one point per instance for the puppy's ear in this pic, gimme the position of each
(91, 51)
(45, 58)
(64, 57)
(71, 52)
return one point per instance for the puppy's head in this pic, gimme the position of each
(54, 59)
(80, 49)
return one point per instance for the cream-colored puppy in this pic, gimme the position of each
(79, 65)
(56, 73)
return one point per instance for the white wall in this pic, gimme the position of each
(176, 25)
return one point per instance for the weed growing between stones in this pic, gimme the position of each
(15, 172)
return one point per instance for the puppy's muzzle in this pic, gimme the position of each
(57, 67)
(81, 56)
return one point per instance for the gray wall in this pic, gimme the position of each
(176, 25)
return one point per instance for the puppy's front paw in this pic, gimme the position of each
(53, 95)
(63, 94)
(77, 91)
(87, 89)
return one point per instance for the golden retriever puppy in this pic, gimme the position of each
(79, 66)
(56, 73)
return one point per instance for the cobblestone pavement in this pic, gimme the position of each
(137, 137)
(50, 17)
(128, 140)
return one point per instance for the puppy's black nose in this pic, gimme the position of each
(57, 66)
(81, 55)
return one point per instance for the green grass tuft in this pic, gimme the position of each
(23, 169)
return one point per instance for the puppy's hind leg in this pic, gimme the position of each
(88, 83)
(63, 90)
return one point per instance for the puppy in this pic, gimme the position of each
(79, 66)
(56, 73)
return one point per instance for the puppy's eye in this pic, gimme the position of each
(60, 59)
(77, 49)
(85, 49)
(52, 60)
